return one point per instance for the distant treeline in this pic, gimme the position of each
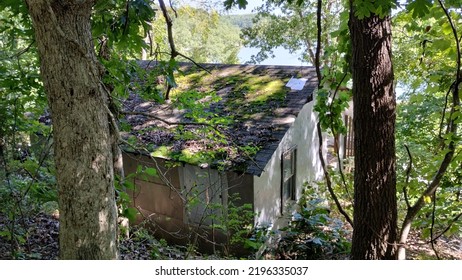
(241, 21)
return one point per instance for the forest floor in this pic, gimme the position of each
(42, 243)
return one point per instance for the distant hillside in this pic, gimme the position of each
(241, 21)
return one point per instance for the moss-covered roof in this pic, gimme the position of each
(247, 109)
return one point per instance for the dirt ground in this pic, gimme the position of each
(42, 243)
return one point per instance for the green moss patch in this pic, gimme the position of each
(234, 103)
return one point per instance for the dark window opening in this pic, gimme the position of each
(288, 164)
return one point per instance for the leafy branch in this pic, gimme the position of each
(173, 51)
(408, 174)
(452, 127)
(320, 85)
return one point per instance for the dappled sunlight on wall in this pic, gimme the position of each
(267, 187)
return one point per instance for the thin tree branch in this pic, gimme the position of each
(447, 228)
(151, 52)
(173, 9)
(342, 175)
(408, 174)
(169, 23)
(443, 113)
(195, 63)
(214, 127)
(184, 56)
(153, 116)
(456, 37)
(318, 43)
(171, 42)
(162, 175)
(23, 51)
(127, 17)
(173, 51)
(337, 89)
(46, 152)
(433, 227)
(308, 41)
(320, 152)
(328, 180)
(452, 127)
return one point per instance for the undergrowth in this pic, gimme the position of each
(314, 232)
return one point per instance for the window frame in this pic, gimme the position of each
(288, 182)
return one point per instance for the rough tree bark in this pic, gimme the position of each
(375, 206)
(81, 130)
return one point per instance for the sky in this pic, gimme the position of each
(251, 4)
(216, 4)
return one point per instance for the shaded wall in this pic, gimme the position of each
(302, 135)
(158, 200)
(181, 207)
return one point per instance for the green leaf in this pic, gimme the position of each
(364, 8)
(31, 166)
(232, 3)
(6, 234)
(129, 184)
(139, 169)
(151, 172)
(124, 196)
(442, 44)
(456, 115)
(162, 151)
(447, 28)
(419, 8)
(130, 213)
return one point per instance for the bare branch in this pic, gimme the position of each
(342, 175)
(153, 116)
(169, 23)
(443, 113)
(173, 9)
(216, 128)
(195, 63)
(328, 180)
(308, 42)
(171, 42)
(162, 175)
(321, 154)
(318, 43)
(151, 52)
(127, 17)
(173, 51)
(23, 51)
(408, 174)
(447, 228)
(456, 37)
(433, 227)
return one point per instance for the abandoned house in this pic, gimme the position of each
(240, 134)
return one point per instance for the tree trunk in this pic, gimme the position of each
(375, 206)
(81, 130)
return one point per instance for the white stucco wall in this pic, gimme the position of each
(267, 187)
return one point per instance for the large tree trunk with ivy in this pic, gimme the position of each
(81, 130)
(375, 209)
